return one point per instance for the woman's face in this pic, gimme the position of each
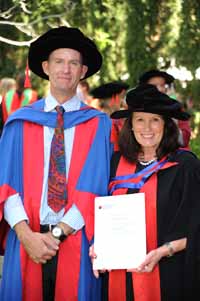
(148, 129)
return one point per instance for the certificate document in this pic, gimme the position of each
(120, 231)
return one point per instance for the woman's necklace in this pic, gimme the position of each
(145, 163)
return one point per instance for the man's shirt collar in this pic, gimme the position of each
(72, 104)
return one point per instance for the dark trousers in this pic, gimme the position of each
(49, 273)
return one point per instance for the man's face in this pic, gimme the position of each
(159, 82)
(65, 69)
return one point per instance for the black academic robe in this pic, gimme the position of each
(178, 216)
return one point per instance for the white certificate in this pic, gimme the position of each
(120, 231)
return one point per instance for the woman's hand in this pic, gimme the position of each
(154, 256)
(93, 256)
(151, 260)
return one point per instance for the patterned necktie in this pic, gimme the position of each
(57, 192)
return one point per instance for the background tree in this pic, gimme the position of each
(20, 23)
(133, 35)
(187, 51)
(101, 20)
(151, 35)
(104, 21)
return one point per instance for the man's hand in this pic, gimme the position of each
(39, 246)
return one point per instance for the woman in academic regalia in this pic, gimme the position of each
(150, 160)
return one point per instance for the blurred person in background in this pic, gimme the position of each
(17, 97)
(111, 97)
(164, 81)
(6, 84)
(83, 91)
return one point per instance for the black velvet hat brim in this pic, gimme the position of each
(109, 89)
(126, 113)
(40, 51)
(148, 99)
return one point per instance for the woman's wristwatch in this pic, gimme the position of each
(170, 249)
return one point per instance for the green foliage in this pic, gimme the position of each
(101, 20)
(187, 52)
(195, 146)
(191, 91)
(137, 45)
(104, 22)
(195, 140)
(149, 35)
(132, 35)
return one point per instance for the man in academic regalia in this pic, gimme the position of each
(50, 176)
